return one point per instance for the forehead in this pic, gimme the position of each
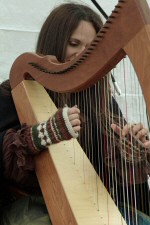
(84, 32)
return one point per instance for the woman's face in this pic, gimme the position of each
(82, 36)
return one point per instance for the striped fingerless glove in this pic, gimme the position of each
(54, 130)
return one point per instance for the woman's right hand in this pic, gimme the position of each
(138, 131)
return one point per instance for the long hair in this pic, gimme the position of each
(57, 30)
(53, 40)
(60, 24)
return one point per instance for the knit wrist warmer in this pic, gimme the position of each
(54, 130)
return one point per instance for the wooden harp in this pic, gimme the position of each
(126, 32)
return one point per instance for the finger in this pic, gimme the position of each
(122, 132)
(143, 139)
(141, 134)
(136, 128)
(147, 144)
(75, 122)
(126, 129)
(76, 128)
(73, 116)
(73, 110)
(116, 129)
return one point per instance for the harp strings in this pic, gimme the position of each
(114, 158)
(135, 155)
(124, 192)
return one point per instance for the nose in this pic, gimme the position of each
(82, 48)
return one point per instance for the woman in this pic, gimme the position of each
(75, 39)
(79, 20)
(67, 31)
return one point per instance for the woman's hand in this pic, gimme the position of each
(74, 118)
(137, 130)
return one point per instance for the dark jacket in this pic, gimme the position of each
(8, 119)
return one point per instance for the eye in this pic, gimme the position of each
(74, 43)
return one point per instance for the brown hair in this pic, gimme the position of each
(56, 32)
(57, 29)
(59, 26)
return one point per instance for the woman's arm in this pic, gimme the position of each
(19, 146)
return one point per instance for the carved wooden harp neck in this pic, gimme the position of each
(106, 50)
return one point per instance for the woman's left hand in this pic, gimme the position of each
(138, 131)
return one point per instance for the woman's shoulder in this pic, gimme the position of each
(8, 114)
(5, 94)
(5, 89)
